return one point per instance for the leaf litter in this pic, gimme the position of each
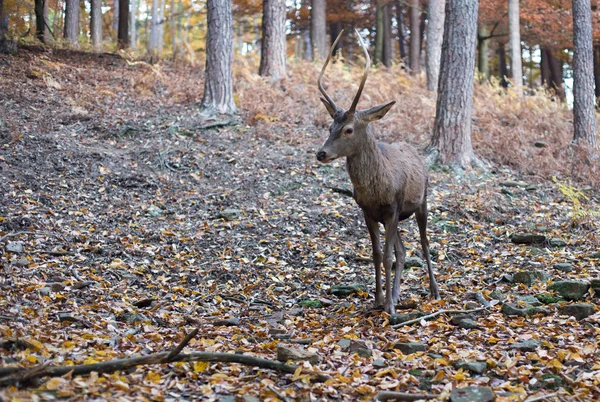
(134, 227)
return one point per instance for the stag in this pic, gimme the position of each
(389, 180)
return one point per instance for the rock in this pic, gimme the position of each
(359, 347)
(379, 363)
(56, 286)
(563, 267)
(326, 302)
(400, 318)
(310, 303)
(557, 242)
(506, 191)
(530, 300)
(228, 322)
(45, 291)
(579, 310)
(230, 214)
(449, 227)
(285, 354)
(570, 290)
(540, 144)
(473, 367)
(529, 277)
(527, 238)
(277, 331)
(526, 346)
(509, 183)
(472, 394)
(496, 295)
(279, 289)
(227, 398)
(14, 247)
(154, 212)
(413, 262)
(467, 323)
(22, 262)
(345, 290)
(250, 398)
(595, 284)
(144, 303)
(513, 309)
(547, 298)
(344, 343)
(594, 255)
(410, 347)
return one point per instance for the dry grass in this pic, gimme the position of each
(505, 128)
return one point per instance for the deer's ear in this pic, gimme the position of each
(376, 112)
(330, 108)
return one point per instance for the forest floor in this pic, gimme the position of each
(125, 224)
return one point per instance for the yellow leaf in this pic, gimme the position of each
(31, 359)
(153, 377)
(297, 374)
(460, 376)
(439, 376)
(554, 363)
(199, 367)
(54, 383)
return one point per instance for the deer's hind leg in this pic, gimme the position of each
(400, 252)
(373, 227)
(421, 217)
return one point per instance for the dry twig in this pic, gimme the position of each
(433, 315)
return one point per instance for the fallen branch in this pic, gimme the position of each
(433, 315)
(541, 397)
(14, 375)
(6, 236)
(182, 344)
(342, 191)
(402, 396)
(219, 123)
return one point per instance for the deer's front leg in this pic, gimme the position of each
(373, 227)
(391, 231)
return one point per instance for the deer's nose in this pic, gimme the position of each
(321, 155)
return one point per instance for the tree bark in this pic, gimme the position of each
(123, 33)
(483, 46)
(161, 27)
(39, 20)
(273, 55)
(401, 32)
(115, 21)
(452, 130)
(71, 32)
(47, 37)
(133, 25)
(514, 41)
(318, 30)
(545, 68)
(378, 56)
(334, 30)
(96, 24)
(415, 37)
(435, 36)
(218, 85)
(502, 65)
(174, 28)
(153, 43)
(597, 72)
(556, 75)
(584, 118)
(308, 53)
(387, 57)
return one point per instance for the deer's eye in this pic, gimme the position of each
(348, 131)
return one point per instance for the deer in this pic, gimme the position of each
(389, 182)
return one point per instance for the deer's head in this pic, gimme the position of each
(348, 131)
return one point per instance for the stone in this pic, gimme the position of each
(557, 242)
(285, 354)
(509, 183)
(250, 398)
(228, 322)
(540, 144)
(527, 238)
(595, 284)
(531, 300)
(410, 347)
(400, 318)
(277, 331)
(563, 267)
(379, 363)
(326, 302)
(310, 303)
(472, 394)
(526, 346)
(230, 214)
(45, 291)
(345, 290)
(514, 309)
(14, 247)
(22, 262)
(344, 343)
(154, 212)
(413, 262)
(496, 295)
(594, 255)
(356, 345)
(547, 298)
(468, 323)
(56, 286)
(473, 367)
(579, 310)
(227, 398)
(529, 277)
(570, 290)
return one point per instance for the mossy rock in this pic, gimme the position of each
(547, 298)
(570, 290)
(345, 290)
(310, 303)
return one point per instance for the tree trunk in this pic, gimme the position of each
(218, 85)
(96, 24)
(545, 68)
(153, 43)
(334, 30)
(72, 22)
(584, 118)
(318, 30)
(556, 75)
(378, 56)
(161, 27)
(133, 25)
(387, 57)
(502, 65)
(597, 72)
(452, 130)
(123, 33)
(308, 54)
(514, 42)
(115, 21)
(273, 55)
(39, 20)
(415, 37)
(174, 28)
(435, 36)
(401, 32)
(47, 37)
(483, 64)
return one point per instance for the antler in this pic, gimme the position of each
(365, 75)
(325, 94)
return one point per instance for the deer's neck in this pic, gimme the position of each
(371, 175)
